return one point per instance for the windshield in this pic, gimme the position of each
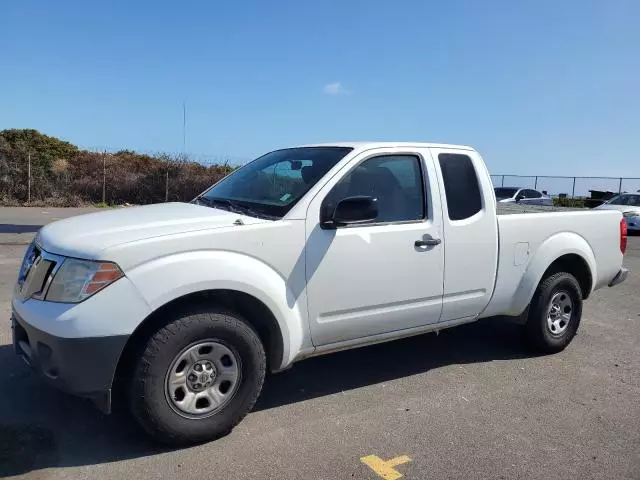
(271, 185)
(502, 192)
(632, 200)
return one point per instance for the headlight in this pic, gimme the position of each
(77, 280)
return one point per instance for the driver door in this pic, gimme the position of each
(372, 279)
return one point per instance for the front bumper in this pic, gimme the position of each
(80, 366)
(619, 278)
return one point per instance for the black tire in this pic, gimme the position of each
(149, 401)
(537, 329)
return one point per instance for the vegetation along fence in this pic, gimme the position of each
(36, 169)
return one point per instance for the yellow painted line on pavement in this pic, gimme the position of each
(385, 469)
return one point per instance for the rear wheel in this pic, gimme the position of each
(197, 377)
(554, 313)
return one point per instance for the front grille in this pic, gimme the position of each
(36, 272)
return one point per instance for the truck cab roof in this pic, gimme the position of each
(361, 146)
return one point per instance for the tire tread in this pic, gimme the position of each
(535, 327)
(143, 410)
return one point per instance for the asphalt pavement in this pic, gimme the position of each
(472, 402)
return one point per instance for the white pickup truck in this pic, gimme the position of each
(301, 252)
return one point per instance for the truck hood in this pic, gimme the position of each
(87, 236)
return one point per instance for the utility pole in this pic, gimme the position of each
(29, 178)
(104, 177)
(166, 186)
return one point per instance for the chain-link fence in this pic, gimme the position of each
(573, 187)
(111, 178)
(119, 177)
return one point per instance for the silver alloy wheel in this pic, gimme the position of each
(203, 378)
(559, 313)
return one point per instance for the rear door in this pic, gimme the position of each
(470, 232)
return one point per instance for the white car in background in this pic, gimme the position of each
(629, 205)
(527, 196)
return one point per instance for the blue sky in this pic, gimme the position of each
(539, 87)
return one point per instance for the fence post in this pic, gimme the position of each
(502, 184)
(166, 187)
(29, 178)
(535, 184)
(104, 177)
(620, 186)
(573, 189)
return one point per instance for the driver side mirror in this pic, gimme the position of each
(519, 197)
(350, 211)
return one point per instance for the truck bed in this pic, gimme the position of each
(532, 236)
(515, 208)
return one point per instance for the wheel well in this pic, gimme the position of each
(576, 266)
(250, 308)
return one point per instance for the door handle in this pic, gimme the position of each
(429, 242)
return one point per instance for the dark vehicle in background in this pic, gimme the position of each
(598, 197)
(526, 196)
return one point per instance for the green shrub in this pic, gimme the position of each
(569, 202)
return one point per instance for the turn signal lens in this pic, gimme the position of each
(106, 274)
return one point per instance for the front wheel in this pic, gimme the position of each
(197, 377)
(554, 313)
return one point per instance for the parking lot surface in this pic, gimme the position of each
(472, 402)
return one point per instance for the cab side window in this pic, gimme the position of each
(460, 185)
(396, 181)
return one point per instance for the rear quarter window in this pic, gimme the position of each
(460, 185)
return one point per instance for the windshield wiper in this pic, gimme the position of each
(216, 202)
(254, 213)
(234, 207)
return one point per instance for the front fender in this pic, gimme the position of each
(549, 251)
(167, 278)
